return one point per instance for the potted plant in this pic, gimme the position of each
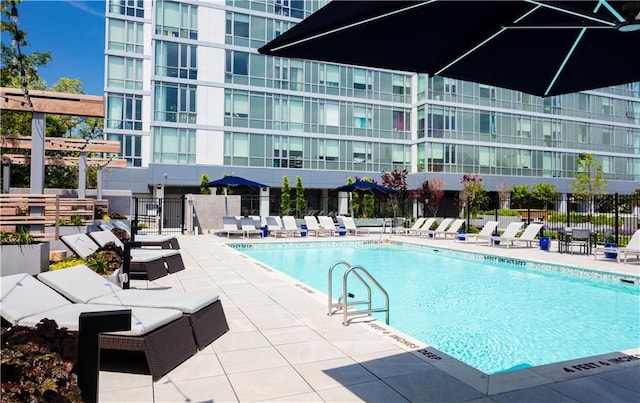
(23, 254)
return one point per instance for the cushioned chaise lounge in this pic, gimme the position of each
(145, 267)
(163, 335)
(82, 285)
(172, 258)
(151, 240)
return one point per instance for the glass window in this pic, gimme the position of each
(130, 148)
(132, 8)
(175, 102)
(332, 114)
(124, 72)
(177, 20)
(124, 111)
(237, 63)
(173, 145)
(487, 91)
(176, 60)
(362, 117)
(126, 36)
(330, 75)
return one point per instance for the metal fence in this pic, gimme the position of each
(159, 216)
(613, 217)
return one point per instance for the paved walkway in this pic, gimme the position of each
(283, 347)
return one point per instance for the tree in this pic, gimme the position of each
(205, 190)
(503, 194)
(430, 194)
(285, 197)
(474, 192)
(396, 180)
(545, 193)
(590, 179)
(520, 195)
(301, 202)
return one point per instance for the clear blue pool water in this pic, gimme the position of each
(493, 316)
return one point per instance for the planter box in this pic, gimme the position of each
(32, 259)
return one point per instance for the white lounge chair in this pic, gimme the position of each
(454, 228)
(510, 232)
(164, 335)
(424, 229)
(350, 225)
(274, 224)
(290, 227)
(82, 285)
(327, 223)
(485, 233)
(632, 248)
(528, 236)
(230, 227)
(249, 226)
(405, 231)
(314, 227)
(442, 227)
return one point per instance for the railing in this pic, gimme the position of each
(343, 304)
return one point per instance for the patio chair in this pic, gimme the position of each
(163, 335)
(80, 284)
(145, 267)
(510, 232)
(172, 258)
(405, 231)
(290, 227)
(486, 232)
(581, 238)
(249, 227)
(632, 248)
(327, 223)
(350, 225)
(274, 224)
(151, 240)
(528, 236)
(454, 228)
(442, 227)
(230, 227)
(314, 227)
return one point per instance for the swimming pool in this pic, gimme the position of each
(491, 313)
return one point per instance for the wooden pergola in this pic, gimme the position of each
(39, 103)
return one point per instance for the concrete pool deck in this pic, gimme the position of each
(282, 346)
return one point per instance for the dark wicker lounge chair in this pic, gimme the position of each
(143, 267)
(203, 310)
(163, 335)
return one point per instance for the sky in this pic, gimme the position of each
(73, 31)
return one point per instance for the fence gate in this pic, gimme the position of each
(159, 216)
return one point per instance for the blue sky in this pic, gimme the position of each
(73, 31)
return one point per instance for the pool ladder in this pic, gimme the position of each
(343, 305)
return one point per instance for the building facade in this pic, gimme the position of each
(188, 93)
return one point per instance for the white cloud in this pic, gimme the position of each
(84, 6)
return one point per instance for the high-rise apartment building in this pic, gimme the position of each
(188, 93)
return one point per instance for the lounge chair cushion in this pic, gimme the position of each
(143, 320)
(81, 284)
(78, 283)
(18, 301)
(189, 303)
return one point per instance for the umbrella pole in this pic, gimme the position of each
(226, 206)
(351, 203)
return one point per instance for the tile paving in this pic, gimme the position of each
(283, 347)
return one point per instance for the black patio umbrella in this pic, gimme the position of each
(232, 181)
(539, 47)
(366, 187)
